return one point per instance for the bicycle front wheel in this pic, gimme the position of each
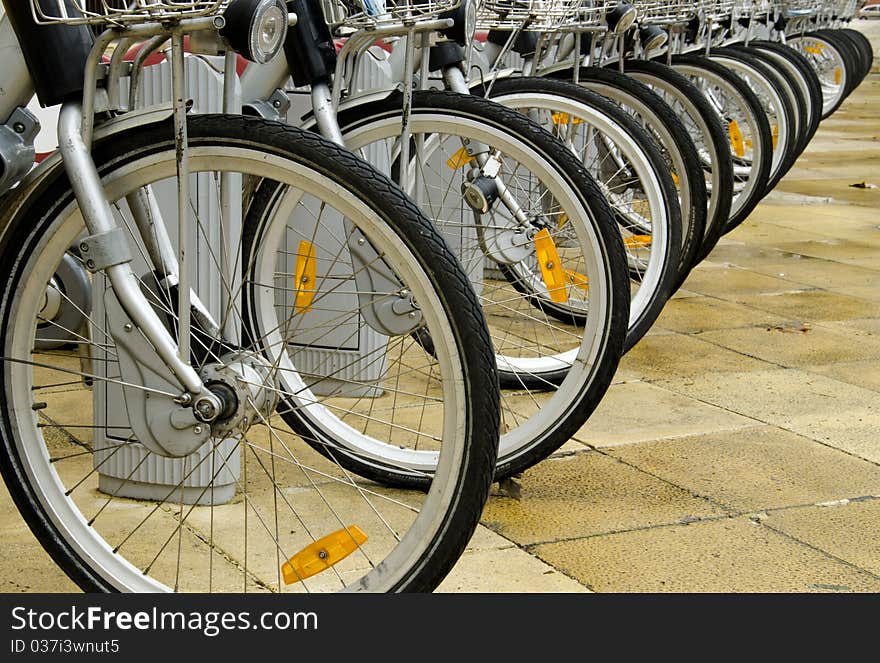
(541, 249)
(253, 507)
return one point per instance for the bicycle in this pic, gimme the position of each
(150, 453)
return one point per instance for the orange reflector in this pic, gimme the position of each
(564, 118)
(736, 139)
(838, 74)
(323, 554)
(675, 179)
(459, 159)
(306, 274)
(551, 271)
(775, 135)
(815, 49)
(637, 241)
(577, 280)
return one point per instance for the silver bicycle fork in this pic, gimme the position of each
(106, 249)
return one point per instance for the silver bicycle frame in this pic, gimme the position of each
(75, 128)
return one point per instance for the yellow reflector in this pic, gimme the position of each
(551, 271)
(817, 48)
(637, 241)
(577, 280)
(837, 76)
(675, 179)
(306, 273)
(736, 139)
(775, 135)
(459, 159)
(563, 118)
(562, 220)
(322, 554)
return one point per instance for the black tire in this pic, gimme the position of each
(720, 164)
(832, 99)
(644, 141)
(659, 119)
(758, 121)
(21, 239)
(806, 77)
(864, 45)
(579, 406)
(787, 150)
(856, 62)
(800, 104)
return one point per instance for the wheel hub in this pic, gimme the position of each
(247, 388)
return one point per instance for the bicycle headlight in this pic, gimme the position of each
(256, 28)
(621, 18)
(652, 37)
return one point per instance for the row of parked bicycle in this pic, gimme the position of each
(288, 345)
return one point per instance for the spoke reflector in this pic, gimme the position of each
(459, 159)
(564, 118)
(306, 274)
(736, 139)
(577, 280)
(775, 135)
(322, 554)
(637, 241)
(551, 270)
(838, 74)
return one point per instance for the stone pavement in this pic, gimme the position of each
(739, 448)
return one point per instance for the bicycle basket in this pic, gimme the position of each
(541, 15)
(97, 12)
(358, 14)
(719, 9)
(666, 13)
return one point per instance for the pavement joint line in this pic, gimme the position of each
(780, 427)
(807, 288)
(668, 482)
(665, 438)
(751, 514)
(826, 553)
(777, 425)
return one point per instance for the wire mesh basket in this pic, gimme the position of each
(719, 9)
(358, 14)
(98, 12)
(666, 13)
(800, 8)
(758, 8)
(542, 15)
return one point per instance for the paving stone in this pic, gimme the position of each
(819, 273)
(639, 411)
(698, 314)
(804, 303)
(835, 413)
(846, 530)
(728, 555)
(796, 344)
(726, 281)
(860, 373)
(684, 356)
(508, 570)
(755, 468)
(588, 493)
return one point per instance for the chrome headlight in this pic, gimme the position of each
(256, 28)
(621, 18)
(653, 37)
